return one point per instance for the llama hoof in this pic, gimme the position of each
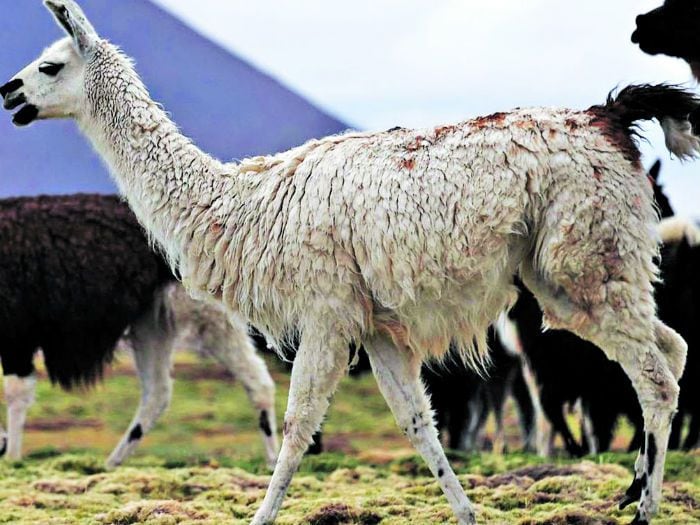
(632, 495)
(625, 502)
(316, 447)
(112, 464)
(638, 520)
(469, 519)
(577, 451)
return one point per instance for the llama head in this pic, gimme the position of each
(672, 30)
(53, 85)
(661, 199)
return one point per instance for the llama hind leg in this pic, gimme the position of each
(673, 352)
(624, 327)
(320, 363)
(152, 340)
(657, 388)
(398, 375)
(234, 349)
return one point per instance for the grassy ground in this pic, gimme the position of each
(203, 464)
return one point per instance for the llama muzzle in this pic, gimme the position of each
(10, 87)
(26, 115)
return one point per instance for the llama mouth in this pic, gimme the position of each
(648, 48)
(26, 115)
(644, 44)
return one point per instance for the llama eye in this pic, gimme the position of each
(50, 69)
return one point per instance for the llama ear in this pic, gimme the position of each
(655, 170)
(72, 19)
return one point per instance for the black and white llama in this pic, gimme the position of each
(76, 275)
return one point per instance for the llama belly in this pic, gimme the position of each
(456, 309)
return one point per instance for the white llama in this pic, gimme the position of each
(201, 326)
(400, 240)
(674, 229)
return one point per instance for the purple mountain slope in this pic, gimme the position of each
(228, 107)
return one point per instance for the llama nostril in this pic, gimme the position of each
(12, 85)
(13, 102)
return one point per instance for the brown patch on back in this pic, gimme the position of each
(525, 124)
(216, 228)
(494, 119)
(441, 131)
(616, 134)
(572, 124)
(408, 164)
(415, 144)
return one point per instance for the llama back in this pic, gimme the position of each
(73, 271)
(397, 227)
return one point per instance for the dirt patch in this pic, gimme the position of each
(248, 483)
(682, 498)
(340, 514)
(64, 486)
(56, 424)
(510, 478)
(571, 518)
(338, 443)
(191, 372)
(142, 511)
(539, 472)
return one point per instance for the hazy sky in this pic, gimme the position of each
(382, 63)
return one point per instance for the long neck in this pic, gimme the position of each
(161, 173)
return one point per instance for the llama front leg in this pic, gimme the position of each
(398, 375)
(19, 395)
(152, 340)
(320, 363)
(236, 352)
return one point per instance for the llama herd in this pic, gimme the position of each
(409, 243)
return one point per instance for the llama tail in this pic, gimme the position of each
(670, 105)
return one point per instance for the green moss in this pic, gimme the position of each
(205, 466)
(80, 464)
